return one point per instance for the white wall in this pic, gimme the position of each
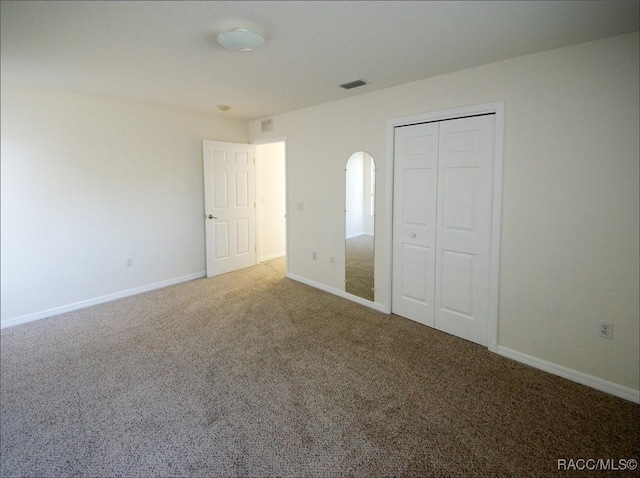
(569, 239)
(88, 183)
(271, 207)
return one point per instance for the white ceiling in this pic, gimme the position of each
(165, 52)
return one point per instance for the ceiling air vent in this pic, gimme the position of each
(266, 125)
(353, 84)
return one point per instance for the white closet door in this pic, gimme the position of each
(465, 192)
(442, 212)
(414, 221)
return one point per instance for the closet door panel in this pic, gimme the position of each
(414, 221)
(457, 283)
(463, 231)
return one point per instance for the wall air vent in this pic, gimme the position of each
(266, 125)
(353, 84)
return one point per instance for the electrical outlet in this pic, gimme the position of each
(130, 262)
(314, 256)
(333, 261)
(606, 330)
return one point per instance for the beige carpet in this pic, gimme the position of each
(251, 374)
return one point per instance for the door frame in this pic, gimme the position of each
(279, 139)
(496, 108)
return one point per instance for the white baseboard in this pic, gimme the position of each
(98, 300)
(573, 375)
(338, 292)
(268, 257)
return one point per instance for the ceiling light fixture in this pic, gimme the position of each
(240, 39)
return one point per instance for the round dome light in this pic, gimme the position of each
(240, 39)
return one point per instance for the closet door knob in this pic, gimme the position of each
(413, 234)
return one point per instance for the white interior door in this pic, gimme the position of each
(464, 211)
(229, 196)
(442, 216)
(414, 221)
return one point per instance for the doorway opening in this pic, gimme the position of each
(245, 204)
(271, 200)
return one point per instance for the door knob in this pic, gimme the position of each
(211, 216)
(413, 234)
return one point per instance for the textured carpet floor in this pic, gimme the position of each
(252, 374)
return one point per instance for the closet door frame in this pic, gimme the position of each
(496, 108)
